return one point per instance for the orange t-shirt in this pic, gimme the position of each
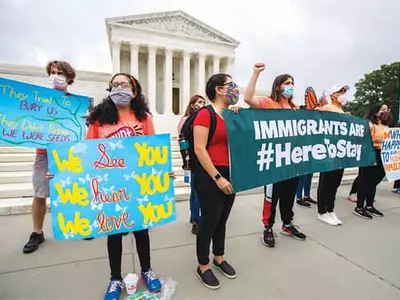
(127, 126)
(377, 134)
(268, 103)
(331, 108)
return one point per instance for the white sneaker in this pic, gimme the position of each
(352, 198)
(335, 218)
(327, 218)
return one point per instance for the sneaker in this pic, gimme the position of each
(34, 241)
(373, 211)
(151, 280)
(268, 237)
(361, 212)
(89, 239)
(310, 200)
(208, 279)
(195, 228)
(292, 231)
(396, 191)
(352, 198)
(303, 202)
(327, 219)
(335, 218)
(114, 290)
(225, 269)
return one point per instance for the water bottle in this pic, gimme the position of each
(184, 149)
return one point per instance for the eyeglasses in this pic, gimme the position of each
(230, 85)
(123, 85)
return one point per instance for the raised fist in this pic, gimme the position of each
(259, 67)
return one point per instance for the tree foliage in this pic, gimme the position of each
(379, 86)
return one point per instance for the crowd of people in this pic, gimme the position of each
(211, 197)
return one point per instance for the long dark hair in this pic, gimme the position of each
(107, 112)
(276, 92)
(373, 110)
(190, 108)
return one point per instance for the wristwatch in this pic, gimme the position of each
(218, 176)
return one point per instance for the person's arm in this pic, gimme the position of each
(148, 126)
(251, 86)
(92, 132)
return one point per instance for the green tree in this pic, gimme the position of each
(379, 86)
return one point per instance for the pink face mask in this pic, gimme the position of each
(59, 82)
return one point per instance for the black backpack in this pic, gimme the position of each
(187, 133)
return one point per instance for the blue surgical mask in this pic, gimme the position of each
(288, 91)
(121, 97)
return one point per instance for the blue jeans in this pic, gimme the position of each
(304, 182)
(194, 201)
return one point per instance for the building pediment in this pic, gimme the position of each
(177, 23)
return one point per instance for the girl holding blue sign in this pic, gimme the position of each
(124, 113)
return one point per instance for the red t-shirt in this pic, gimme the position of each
(218, 146)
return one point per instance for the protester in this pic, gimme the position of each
(371, 176)
(284, 191)
(124, 111)
(195, 103)
(330, 181)
(212, 179)
(61, 75)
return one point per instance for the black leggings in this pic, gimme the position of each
(370, 177)
(215, 209)
(114, 245)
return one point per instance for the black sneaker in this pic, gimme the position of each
(208, 279)
(310, 200)
(373, 211)
(89, 239)
(268, 237)
(361, 212)
(34, 241)
(303, 202)
(195, 228)
(292, 231)
(225, 269)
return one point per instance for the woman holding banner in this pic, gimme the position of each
(330, 181)
(284, 191)
(371, 176)
(212, 178)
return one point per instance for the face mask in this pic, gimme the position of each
(288, 91)
(232, 93)
(342, 99)
(59, 82)
(121, 97)
(384, 115)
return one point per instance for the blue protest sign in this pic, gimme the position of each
(107, 186)
(33, 116)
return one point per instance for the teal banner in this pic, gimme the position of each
(268, 146)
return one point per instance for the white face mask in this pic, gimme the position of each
(59, 82)
(342, 99)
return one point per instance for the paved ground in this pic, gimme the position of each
(359, 260)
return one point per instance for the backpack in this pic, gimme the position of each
(187, 134)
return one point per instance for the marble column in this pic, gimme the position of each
(201, 74)
(151, 78)
(116, 56)
(185, 80)
(134, 60)
(215, 64)
(168, 81)
(229, 64)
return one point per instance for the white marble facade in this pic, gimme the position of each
(171, 53)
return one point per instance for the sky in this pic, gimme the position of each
(319, 42)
